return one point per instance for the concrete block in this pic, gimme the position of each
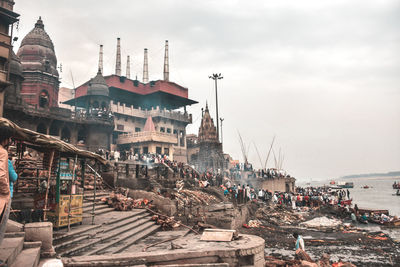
(42, 231)
(13, 226)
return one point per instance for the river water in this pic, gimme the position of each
(380, 195)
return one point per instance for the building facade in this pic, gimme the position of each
(31, 98)
(7, 18)
(146, 115)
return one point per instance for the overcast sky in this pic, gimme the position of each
(321, 76)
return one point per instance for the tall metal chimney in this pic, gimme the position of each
(145, 68)
(128, 67)
(118, 62)
(166, 62)
(101, 59)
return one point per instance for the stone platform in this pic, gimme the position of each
(248, 250)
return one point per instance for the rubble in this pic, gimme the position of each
(278, 215)
(322, 223)
(193, 197)
(122, 203)
(166, 222)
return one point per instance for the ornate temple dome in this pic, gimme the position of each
(15, 64)
(207, 130)
(98, 85)
(37, 51)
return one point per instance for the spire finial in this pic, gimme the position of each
(118, 61)
(166, 62)
(101, 59)
(39, 23)
(145, 68)
(128, 67)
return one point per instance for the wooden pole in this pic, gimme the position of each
(269, 151)
(70, 193)
(48, 184)
(258, 153)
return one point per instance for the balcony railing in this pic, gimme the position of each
(168, 114)
(147, 137)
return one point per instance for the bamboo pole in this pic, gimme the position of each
(269, 151)
(48, 184)
(70, 193)
(258, 153)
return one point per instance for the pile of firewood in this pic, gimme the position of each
(122, 203)
(185, 196)
(167, 223)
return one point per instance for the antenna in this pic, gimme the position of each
(73, 84)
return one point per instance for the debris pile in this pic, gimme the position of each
(278, 215)
(122, 203)
(322, 223)
(304, 260)
(167, 223)
(253, 224)
(192, 197)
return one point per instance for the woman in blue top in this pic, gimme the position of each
(13, 176)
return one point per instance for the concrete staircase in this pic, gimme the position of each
(15, 252)
(113, 231)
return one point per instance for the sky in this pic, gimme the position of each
(320, 76)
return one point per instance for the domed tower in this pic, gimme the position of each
(39, 68)
(98, 94)
(13, 91)
(210, 155)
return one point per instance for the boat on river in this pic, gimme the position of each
(345, 184)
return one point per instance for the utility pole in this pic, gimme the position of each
(222, 135)
(216, 77)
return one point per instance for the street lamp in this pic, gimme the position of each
(216, 77)
(222, 135)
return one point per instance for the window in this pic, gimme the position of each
(44, 99)
(169, 130)
(158, 150)
(120, 127)
(175, 131)
(166, 151)
(162, 129)
(137, 129)
(145, 150)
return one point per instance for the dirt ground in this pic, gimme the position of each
(356, 244)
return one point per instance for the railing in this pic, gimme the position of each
(147, 136)
(130, 111)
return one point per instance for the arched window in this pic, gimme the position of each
(41, 128)
(44, 99)
(95, 104)
(65, 134)
(54, 129)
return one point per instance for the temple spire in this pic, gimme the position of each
(145, 68)
(101, 59)
(118, 61)
(166, 62)
(128, 67)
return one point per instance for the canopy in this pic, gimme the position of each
(47, 141)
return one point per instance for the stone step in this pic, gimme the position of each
(133, 235)
(97, 207)
(10, 248)
(28, 258)
(103, 237)
(78, 235)
(98, 192)
(57, 236)
(132, 240)
(97, 212)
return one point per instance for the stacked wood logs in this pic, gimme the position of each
(166, 222)
(122, 203)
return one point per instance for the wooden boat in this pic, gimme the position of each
(346, 202)
(369, 211)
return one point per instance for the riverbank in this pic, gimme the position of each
(357, 244)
